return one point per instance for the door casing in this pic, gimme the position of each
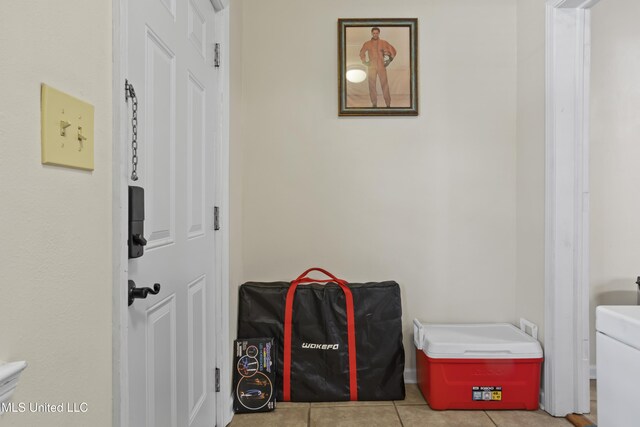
(566, 324)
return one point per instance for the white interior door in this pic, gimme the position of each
(171, 335)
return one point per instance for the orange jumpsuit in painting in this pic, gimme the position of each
(376, 49)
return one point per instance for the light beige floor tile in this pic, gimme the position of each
(594, 389)
(349, 403)
(356, 416)
(292, 417)
(288, 405)
(526, 419)
(413, 396)
(422, 415)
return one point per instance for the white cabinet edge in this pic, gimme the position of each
(9, 375)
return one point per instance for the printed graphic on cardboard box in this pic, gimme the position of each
(254, 375)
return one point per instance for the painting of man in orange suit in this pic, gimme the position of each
(377, 67)
(377, 54)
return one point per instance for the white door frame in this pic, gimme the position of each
(568, 63)
(120, 213)
(224, 402)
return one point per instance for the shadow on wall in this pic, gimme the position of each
(617, 296)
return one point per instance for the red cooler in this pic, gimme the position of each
(477, 366)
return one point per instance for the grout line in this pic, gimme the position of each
(494, 423)
(398, 414)
(410, 404)
(359, 404)
(309, 416)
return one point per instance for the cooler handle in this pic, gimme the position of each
(524, 324)
(418, 334)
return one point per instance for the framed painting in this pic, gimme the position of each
(378, 67)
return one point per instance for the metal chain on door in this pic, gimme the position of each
(129, 92)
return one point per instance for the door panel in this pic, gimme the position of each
(195, 153)
(197, 345)
(197, 28)
(159, 125)
(170, 5)
(171, 344)
(161, 364)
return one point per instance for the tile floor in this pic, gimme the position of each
(593, 416)
(413, 411)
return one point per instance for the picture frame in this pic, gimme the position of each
(378, 67)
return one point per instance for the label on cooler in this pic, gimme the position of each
(486, 393)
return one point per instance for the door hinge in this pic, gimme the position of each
(217, 380)
(216, 57)
(216, 218)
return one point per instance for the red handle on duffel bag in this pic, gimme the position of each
(351, 331)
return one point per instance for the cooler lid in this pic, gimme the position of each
(478, 341)
(620, 322)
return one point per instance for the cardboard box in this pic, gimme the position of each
(254, 375)
(477, 366)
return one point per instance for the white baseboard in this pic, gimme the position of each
(410, 376)
(228, 411)
(593, 372)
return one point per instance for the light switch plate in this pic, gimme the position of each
(67, 130)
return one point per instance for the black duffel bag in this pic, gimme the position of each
(335, 340)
